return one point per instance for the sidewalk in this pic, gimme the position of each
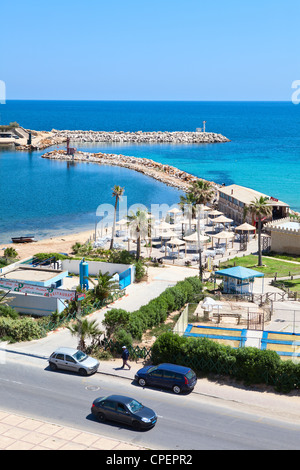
(23, 433)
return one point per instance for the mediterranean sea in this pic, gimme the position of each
(46, 197)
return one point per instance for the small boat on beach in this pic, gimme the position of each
(25, 239)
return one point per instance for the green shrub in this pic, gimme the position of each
(255, 365)
(115, 319)
(44, 256)
(22, 329)
(287, 377)
(123, 338)
(7, 311)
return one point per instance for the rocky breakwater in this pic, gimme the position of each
(167, 174)
(179, 137)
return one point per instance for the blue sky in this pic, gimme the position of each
(150, 50)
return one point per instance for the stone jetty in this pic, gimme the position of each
(166, 174)
(45, 140)
(178, 137)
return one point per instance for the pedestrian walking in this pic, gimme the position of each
(125, 356)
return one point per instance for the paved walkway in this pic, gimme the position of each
(23, 433)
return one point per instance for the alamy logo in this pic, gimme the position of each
(296, 94)
(2, 92)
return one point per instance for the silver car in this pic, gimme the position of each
(73, 360)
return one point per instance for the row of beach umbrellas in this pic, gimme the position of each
(172, 239)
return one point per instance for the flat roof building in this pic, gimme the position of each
(233, 200)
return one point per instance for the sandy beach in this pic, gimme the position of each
(59, 244)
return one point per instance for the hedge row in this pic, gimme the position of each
(156, 311)
(248, 364)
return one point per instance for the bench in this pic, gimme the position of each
(234, 315)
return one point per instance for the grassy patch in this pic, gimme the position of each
(293, 285)
(270, 266)
(284, 256)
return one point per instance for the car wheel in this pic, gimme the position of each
(142, 382)
(53, 366)
(82, 372)
(176, 389)
(101, 417)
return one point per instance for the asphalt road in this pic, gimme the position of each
(185, 422)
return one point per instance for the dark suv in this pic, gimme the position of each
(174, 377)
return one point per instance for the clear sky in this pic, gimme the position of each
(150, 50)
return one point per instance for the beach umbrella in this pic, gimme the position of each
(215, 213)
(176, 242)
(221, 219)
(164, 226)
(168, 234)
(122, 222)
(245, 228)
(224, 236)
(174, 211)
(193, 238)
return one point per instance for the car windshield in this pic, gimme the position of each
(79, 356)
(152, 369)
(134, 406)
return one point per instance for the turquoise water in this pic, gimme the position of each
(46, 197)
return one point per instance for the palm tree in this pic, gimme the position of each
(104, 286)
(260, 209)
(118, 192)
(138, 225)
(84, 329)
(202, 191)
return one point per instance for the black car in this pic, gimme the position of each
(125, 410)
(172, 376)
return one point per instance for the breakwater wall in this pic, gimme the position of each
(43, 140)
(166, 174)
(141, 137)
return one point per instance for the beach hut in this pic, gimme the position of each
(238, 280)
